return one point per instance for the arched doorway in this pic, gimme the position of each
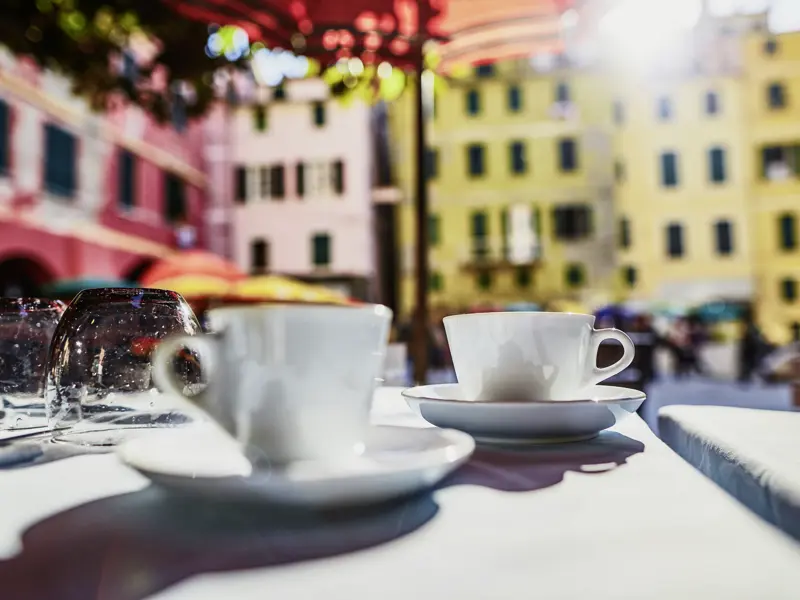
(21, 276)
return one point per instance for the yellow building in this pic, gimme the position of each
(685, 187)
(773, 112)
(520, 188)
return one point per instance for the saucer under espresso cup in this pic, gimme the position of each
(537, 422)
(396, 462)
(294, 381)
(525, 356)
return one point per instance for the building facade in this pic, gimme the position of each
(521, 179)
(673, 181)
(302, 171)
(86, 195)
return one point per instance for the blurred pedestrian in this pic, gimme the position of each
(752, 347)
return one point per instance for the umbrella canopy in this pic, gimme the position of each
(274, 288)
(374, 30)
(719, 311)
(192, 262)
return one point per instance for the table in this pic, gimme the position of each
(752, 454)
(619, 517)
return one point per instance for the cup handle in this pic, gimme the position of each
(165, 377)
(597, 374)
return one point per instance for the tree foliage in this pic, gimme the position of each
(80, 38)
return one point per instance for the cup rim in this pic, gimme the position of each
(523, 313)
(377, 309)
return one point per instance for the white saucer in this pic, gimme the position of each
(603, 406)
(397, 461)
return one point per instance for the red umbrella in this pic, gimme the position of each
(192, 262)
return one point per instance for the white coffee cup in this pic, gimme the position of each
(293, 382)
(526, 356)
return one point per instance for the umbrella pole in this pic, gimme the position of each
(420, 331)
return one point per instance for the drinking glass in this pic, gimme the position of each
(98, 386)
(26, 328)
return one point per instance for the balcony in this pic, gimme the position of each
(482, 254)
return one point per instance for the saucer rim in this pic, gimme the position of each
(633, 395)
(462, 442)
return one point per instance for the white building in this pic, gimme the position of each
(302, 186)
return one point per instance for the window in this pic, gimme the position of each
(712, 103)
(259, 256)
(337, 177)
(264, 182)
(321, 250)
(475, 160)
(433, 230)
(484, 70)
(794, 328)
(523, 277)
(178, 110)
(776, 96)
(574, 275)
(669, 169)
(572, 222)
(675, 240)
(484, 280)
(175, 194)
(771, 47)
(260, 118)
(279, 92)
(318, 112)
(240, 182)
(277, 188)
(716, 165)
(664, 108)
(130, 70)
(619, 171)
(723, 235)
(5, 137)
(126, 195)
(480, 232)
(567, 155)
(629, 276)
(787, 232)
(300, 179)
(517, 158)
(431, 163)
(789, 289)
(624, 233)
(514, 98)
(618, 111)
(435, 282)
(320, 179)
(562, 92)
(473, 102)
(59, 161)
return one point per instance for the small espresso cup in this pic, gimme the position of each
(289, 382)
(529, 356)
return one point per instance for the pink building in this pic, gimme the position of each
(86, 195)
(301, 168)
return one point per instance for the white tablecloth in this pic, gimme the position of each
(619, 517)
(752, 454)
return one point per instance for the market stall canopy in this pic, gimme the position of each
(274, 288)
(192, 262)
(469, 30)
(195, 286)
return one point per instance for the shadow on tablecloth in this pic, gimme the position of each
(131, 546)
